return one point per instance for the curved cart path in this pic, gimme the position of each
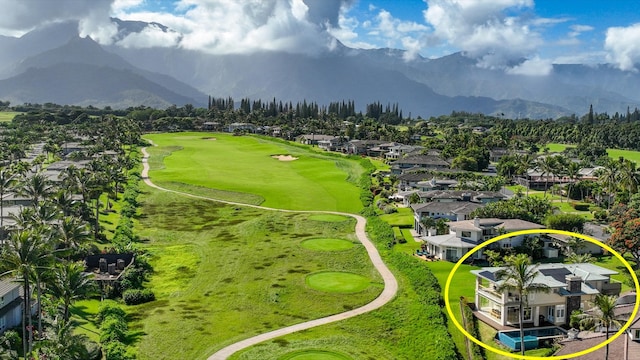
(390, 282)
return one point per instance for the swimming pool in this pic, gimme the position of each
(511, 338)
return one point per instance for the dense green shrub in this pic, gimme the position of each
(600, 215)
(581, 206)
(137, 296)
(113, 328)
(567, 222)
(117, 351)
(110, 309)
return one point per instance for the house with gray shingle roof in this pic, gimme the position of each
(571, 287)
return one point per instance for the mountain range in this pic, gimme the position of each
(54, 64)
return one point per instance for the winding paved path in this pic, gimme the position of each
(390, 282)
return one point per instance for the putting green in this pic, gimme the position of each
(328, 218)
(327, 244)
(337, 282)
(314, 355)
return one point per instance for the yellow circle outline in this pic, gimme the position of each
(540, 231)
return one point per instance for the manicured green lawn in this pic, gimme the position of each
(327, 244)
(83, 313)
(627, 154)
(554, 147)
(402, 218)
(8, 115)
(337, 282)
(224, 273)
(244, 164)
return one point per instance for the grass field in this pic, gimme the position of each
(8, 115)
(244, 165)
(613, 153)
(224, 273)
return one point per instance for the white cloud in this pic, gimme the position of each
(151, 36)
(532, 67)
(623, 46)
(483, 29)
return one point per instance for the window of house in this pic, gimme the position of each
(466, 234)
(486, 232)
(637, 334)
(526, 316)
(506, 245)
(2, 323)
(560, 312)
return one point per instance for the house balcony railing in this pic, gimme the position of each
(491, 293)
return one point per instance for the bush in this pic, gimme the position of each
(117, 351)
(113, 329)
(567, 222)
(110, 309)
(581, 206)
(390, 209)
(133, 278)
(600, 215)
(137, 296)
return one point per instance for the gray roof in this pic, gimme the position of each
(423, 160)
(455, 207)
(507, 224)
(7, 286)
(553, 275)
(449, 240)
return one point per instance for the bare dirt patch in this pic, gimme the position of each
(284, 157)
(209, 138)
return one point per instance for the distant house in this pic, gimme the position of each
(419, 162)
(572, 287)
(398, 151)
(313, 139)
(335, 143)
(454, 211)
(465, 235)
(362, 147)
(498, 153)
(241, 127)
(437, 184)
(10, 305)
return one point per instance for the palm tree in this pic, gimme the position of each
(602, 315)
(628, 176)
(546, 165)
(69, 283)
(518, 276)
(608, 177)
(72, 234)
(25, 253)
(573, 173)
(61, 343)
(574, 258)
(37, 187)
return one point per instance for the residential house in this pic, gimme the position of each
(467, 234)
(398, 151)
(498, 153)
(454, 211)
(313, 139)
(10, 305)
(571, 287)
(361, 147)
(437, 184)
(334, 143)
(419, 162)
(241, 127)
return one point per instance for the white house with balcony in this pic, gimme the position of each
(571, 287)
(467, 234)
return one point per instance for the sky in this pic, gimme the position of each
(497, 33)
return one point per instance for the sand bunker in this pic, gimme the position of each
(209, 138)
(284, 157)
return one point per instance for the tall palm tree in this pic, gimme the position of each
(37, 187)
(573, 173)
(603, 315)
(63, 344)
(546, 165)
(69, 283)
(608, 177)
(72, 234)
(628, 176)
(26, 251)
(518, 276)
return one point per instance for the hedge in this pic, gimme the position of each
(137, 296)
